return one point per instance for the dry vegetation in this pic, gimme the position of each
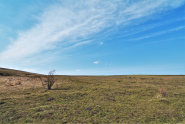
(16, 83)
(94, 99)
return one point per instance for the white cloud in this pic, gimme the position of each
(69, 24)
(77, 70)
(101, 43)
(96, 62)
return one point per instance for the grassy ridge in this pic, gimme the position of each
(98, 99)
(12, 72)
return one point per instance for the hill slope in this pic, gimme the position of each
(12, 72)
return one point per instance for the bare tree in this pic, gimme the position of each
(47, 80)
(50, 79)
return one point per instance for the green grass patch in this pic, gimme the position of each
(98, 99)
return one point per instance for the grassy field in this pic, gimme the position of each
(96, 99)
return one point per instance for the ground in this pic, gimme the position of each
(94, 99)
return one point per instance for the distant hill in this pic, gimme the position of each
(12, 72)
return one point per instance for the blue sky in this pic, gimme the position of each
(93, 37)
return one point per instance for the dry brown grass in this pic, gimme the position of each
(16, 83)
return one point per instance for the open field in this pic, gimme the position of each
(95, 99)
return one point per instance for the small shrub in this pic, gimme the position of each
(50, 79)
(163, 92)
(47, 80)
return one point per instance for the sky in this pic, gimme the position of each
(93, 37)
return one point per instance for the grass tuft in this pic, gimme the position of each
(163, 92)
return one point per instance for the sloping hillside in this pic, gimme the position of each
(16, 80)
(12, 72)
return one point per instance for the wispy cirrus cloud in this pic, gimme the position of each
(140, 29)
(158, 33)
(74, 23)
